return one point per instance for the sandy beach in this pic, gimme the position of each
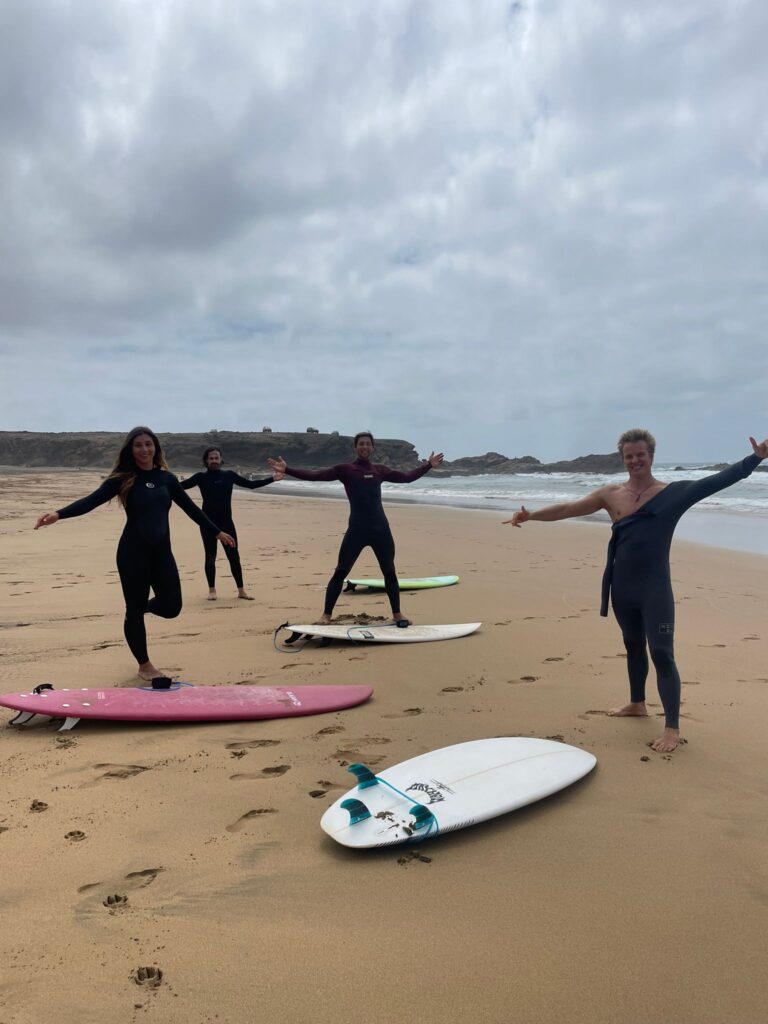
(640, 893)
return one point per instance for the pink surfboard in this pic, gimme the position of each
(183, 703)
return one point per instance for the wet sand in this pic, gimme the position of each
(640, 893)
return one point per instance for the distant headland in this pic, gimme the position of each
(249, 451)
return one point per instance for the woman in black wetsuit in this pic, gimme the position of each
(368, 526)
(216, 488)
(141, 481)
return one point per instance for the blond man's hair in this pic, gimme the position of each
(634, 435)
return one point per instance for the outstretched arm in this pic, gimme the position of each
(396, 476)
(331, 473)
(191, 481)
(700, 489)
(108, 490)
(241, 481)
(564, 510)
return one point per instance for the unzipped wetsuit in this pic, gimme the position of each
(144, 556)
(637, 579)
(368, 526)
(216, 488)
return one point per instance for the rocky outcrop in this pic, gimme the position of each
(493, 462)
(247, 451)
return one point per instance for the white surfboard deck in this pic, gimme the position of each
(418, 583)
(386, 634)
(456, 786)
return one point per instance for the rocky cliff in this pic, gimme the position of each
(247, 451)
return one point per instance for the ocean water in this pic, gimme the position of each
(736, 518)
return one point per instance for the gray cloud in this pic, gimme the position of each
(519, 227)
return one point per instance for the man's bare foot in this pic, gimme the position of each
(148, 672)
(211, 595)
(243, 596)
(637, 710)
(324, 620)
(401, 618)
(666, 743)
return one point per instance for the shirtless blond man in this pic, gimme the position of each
(644, 512)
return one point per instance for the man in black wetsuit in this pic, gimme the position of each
(216, 488)
(368, 526)
(645, 512)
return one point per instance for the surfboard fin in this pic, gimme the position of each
(357, 810)
(422, 816)
(349, 587)
(22, 717)
(364, 776)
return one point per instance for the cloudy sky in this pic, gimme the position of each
(473, 224)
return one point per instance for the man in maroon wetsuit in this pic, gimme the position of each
(368, 526)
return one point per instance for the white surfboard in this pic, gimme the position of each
(418, 583)
(451, 788)
(390, 634)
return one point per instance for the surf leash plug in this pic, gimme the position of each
(357, 810)
(364, 776)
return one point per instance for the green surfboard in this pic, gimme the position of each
(423, 583)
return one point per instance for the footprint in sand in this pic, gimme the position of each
(407, 713)
(251, 744)
(141, 879)
(149, 977)
(524, 679)
(38, 805)
(317, 793)
(120, 771)
(118, 901)
(553, 659)
(266, 773)
(76, 836)
(329, 730)
(347, 757)
(241, 822)
(452, 689)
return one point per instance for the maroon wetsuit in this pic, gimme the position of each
(368, 525)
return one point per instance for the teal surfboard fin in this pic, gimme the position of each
(422, 816)
(357, 810)
(364, 776)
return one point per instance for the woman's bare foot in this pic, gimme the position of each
(666, 743)
(148, 672)
(636, 710)
(243, 596)
(212, 594)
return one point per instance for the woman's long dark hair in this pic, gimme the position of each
(125, 467)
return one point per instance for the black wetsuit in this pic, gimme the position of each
(216, 488)
(144, 556)
(368, 526)
(637, 579)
